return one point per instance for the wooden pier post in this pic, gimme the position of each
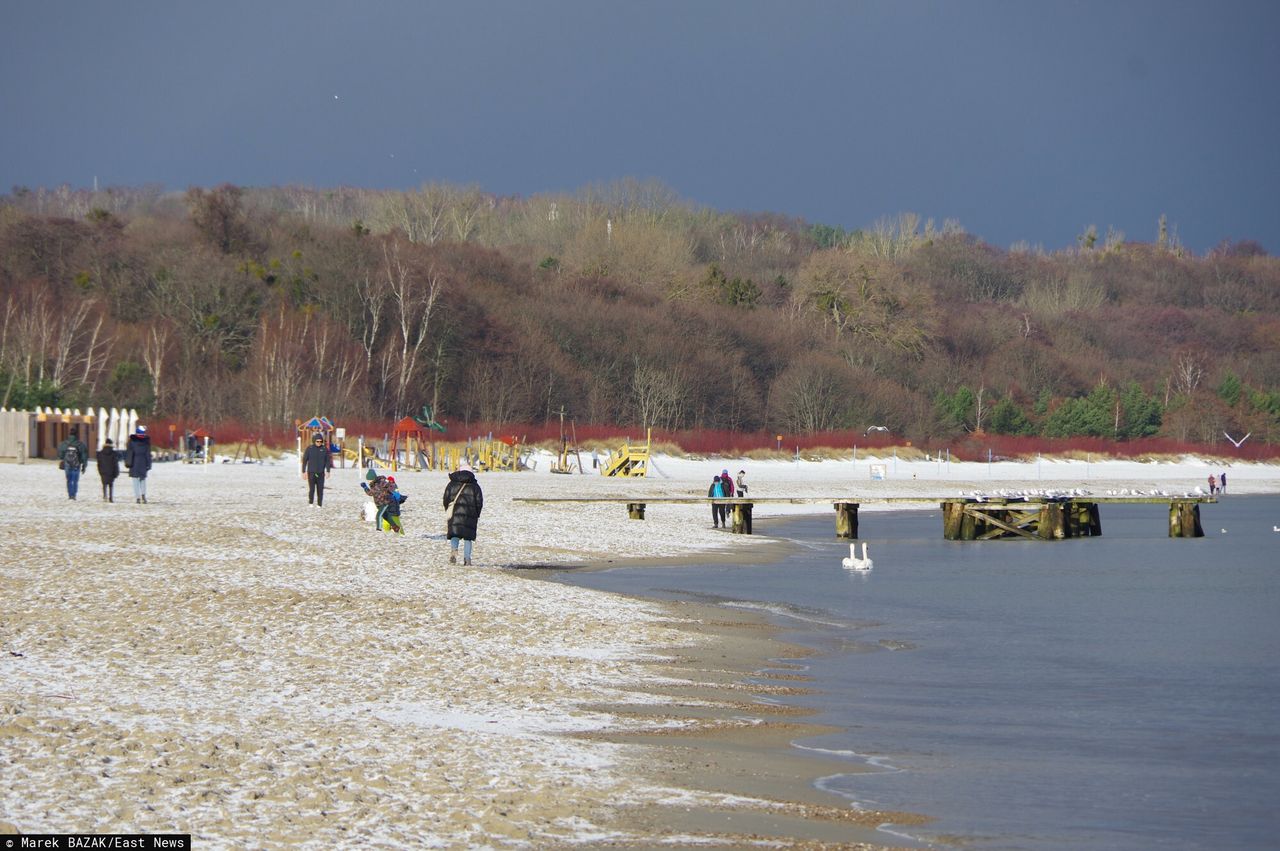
(952, 516)
(635, 510)
(846, 520)
(1184, 520)
(741, 518)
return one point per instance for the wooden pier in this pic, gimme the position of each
(963, 519)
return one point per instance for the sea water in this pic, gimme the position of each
(1120, 692)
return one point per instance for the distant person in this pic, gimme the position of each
(73, 458)
(741, 483)
(1213, 485)
(463, 502)
(316, 465)
(108, 470)
(137, 457)
(716, 491)
(727, 481)
(1222, 481)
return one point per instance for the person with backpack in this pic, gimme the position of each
(73, 458)
(137, 457)
(463, 501)
(108, 470)
(716, 491)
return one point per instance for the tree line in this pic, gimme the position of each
(620, 304)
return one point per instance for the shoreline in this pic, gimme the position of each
(738, 745)
(741, 747)
(231, 662)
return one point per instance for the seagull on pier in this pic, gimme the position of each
(855, 563)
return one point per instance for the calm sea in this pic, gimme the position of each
(1120, 692)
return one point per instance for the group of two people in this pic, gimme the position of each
(73, 460)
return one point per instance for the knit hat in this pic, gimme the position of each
(371, 475)
(107, 442)
(142, 429)
(465, 466)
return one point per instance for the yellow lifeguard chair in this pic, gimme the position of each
(630, 460)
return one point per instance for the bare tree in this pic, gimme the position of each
(1188, 370)
(413, 303)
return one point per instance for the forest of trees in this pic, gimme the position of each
(622, 305)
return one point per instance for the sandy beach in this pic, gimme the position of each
(230, 662)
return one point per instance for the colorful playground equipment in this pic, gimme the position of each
(630, 460)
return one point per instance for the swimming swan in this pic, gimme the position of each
(855, 563)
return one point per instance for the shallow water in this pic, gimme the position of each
(1115, 692)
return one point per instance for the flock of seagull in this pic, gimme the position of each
(1047, 493)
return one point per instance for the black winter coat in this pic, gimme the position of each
(108, 463)
(316, 459)
(466, 512)
(138, 456)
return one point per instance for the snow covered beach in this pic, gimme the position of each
(230, 662)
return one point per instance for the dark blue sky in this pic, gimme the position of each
(1024, 121)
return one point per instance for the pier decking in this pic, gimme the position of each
(963, 518)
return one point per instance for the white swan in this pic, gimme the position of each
(855, 563)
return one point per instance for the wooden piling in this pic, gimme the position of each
(846, 520)
(635, 510)
(952, 516)
(1095, 519)
(1184, 520)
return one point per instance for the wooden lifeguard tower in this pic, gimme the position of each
(631, 460)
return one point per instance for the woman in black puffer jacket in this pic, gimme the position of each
(463, 501)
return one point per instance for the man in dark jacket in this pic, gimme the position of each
(73, 458)
(108, 470)
(463, 501)
(316, 464)
(137, 457)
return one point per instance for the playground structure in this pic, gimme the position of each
(197, 447)
(249, 451)
(411, 447)
(562, 464)
(630, 461)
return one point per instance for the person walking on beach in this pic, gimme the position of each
(137, 457)
(1222, 481)
(73, 458)
(108, 470)
(463, 502)
(716, 491)
(741, 482)
(316, 464)
(727, 481)
(1213, 485)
